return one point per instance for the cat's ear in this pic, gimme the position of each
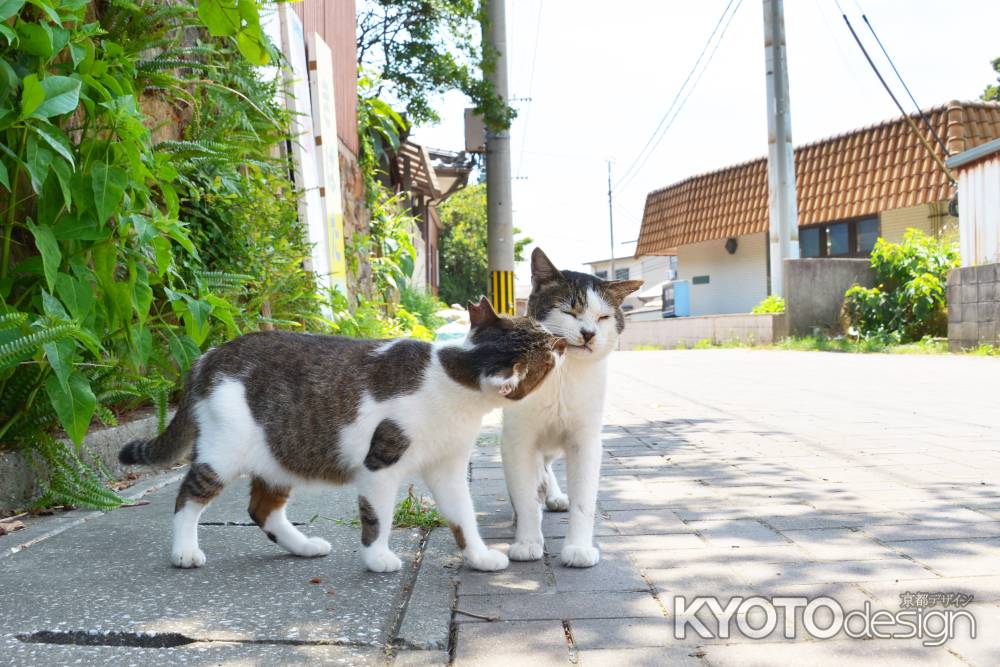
(616, 290)
(482, 314)
(542, 269)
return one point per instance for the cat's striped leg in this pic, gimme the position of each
(267, 509)
(200, 486)
(447, 481)
(376, 503)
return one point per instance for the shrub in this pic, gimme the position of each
(908, 302)
(772, 304)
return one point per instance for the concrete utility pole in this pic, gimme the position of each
(500, 226)
(784, 214)
(611, 224)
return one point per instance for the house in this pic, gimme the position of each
(426, 177)
(653, 270)
(852, 189)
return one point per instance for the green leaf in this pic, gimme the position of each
(47, 8)
(35, 38)
(222, 310)
(62, 95)
(9, 34)
(76, 294)
(4, 178)
(55, 138)
(183, 349)
(48, 248)
(108, 186)
(75, 406)
(38, 159)
(60, 357)
(32, 95)
(221, 17)
(196, 319)
(9, 8)
(142, 293)
(164, 257)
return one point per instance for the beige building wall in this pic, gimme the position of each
(737, 282)
(931, 219)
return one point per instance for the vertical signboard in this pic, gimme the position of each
(304, 158)
(324, 116)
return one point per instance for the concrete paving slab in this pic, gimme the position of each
(426, 621)
(558, 606)
(501, 644)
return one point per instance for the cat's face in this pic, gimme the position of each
(580, 308)
(516, 353)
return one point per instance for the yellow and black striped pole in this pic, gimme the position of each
(502, 284)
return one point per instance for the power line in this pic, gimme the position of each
(531, 83)
(899, 76)
(678, 102)
(906, 116)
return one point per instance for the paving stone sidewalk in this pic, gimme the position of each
(725, 473)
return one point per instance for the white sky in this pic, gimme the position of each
(605, 72)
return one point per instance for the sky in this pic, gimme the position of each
(600, 76)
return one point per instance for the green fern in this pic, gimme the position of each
(17, 348)
(12, 320)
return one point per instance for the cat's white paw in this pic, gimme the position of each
(579, 556)
(313, 547)
(490, 560)
(382, 561)
(187, 558)
(558, 503)
(525, 551)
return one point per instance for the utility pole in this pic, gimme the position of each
(783, 229)
(500, 226)
(611, 224)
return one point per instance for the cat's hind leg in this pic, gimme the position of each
(267, 509)
(555, 499)
(200, 486)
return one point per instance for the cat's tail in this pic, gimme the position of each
(169, 445)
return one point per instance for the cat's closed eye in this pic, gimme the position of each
(603, 317)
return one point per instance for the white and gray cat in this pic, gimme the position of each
(564, 416)
(288, 409)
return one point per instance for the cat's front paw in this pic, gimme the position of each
(382, 561)
(579, 556)
(525, 551)
(313, 547)
(490, 560)
(558, 503)
(188, 558)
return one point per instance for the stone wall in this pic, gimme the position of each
(973, 306)
(814, 291)
(674, 332)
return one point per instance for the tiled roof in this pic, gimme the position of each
(866, 171)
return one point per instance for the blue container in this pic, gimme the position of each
(677, 299)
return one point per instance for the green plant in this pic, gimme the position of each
(771, 304)
(909, 301)
(416, 512)
(703, 344)
(424, 306)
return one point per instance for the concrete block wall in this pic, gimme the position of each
(974, 306)
(686, 331)
(814, 291)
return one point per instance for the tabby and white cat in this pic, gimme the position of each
(288, 409)
(564, 416)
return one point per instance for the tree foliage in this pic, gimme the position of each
(462, 245)
(423, 48)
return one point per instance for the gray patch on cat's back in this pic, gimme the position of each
(399, 369)
(369, 521)
(389, 442)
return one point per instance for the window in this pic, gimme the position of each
(603, 275)
(850, 238)
(809, 242)
(621, 274)
(867, 235)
